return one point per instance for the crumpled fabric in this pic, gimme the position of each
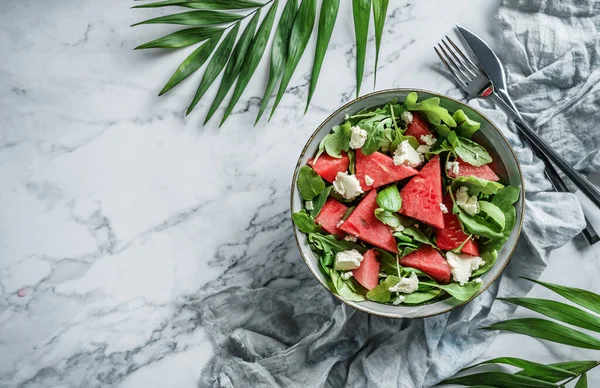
(303, 337)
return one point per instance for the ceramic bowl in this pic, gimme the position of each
(505, 165)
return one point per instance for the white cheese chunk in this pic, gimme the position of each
(407, 117)
(339, 223)
(443, 208)
(399, 300)
(468, 204)
(407, 155)
(428, 139)
(399, 228)
(369, 181)
(346, 275)
(347, 260)
(478, 280)
(358, 137)
(347, 185)
(406, 285)
(463, 265)
(350, 238)
(453, 167)
(309, 205)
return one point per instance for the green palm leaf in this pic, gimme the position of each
(362, 13)
(584, 298)
(379, 12)
(535, 370)
(192, 63)
(329, 12)
(498, 380)
(548, 330)
(215, 66)
(582, 382)
(560, 311)
(203, 4)
(234, 65)
(576, 367)
(182, 38)
(194, 18)
(278, 52)
(299, 37)
(255, 53)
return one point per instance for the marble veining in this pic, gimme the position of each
(117, 210)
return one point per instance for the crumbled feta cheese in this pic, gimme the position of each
(346, 275)
(339, 223)
(399, 300)
(406, 154)
(428, 139)
(347, 185)
(350, 238)
(399, 228)
(423, 149)
(407, 117)
(443, 208)
(478, 280)
(453, 167)
(406, 285)
(347, 260)
(309, 205)
(347, 117)
(382, 275)
(463, 265)
(358, 137)
(468, 204)
(369, 181)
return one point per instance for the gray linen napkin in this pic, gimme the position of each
(303, 337)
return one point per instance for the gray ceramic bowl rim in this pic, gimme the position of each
(399, 91)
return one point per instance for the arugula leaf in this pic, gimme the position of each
(352, 162)
(329, 242)
(375, 136)
(476, 185)
(343, 290)
(319, 201)
(421, 296)
(310, 184)
(462, 293)
(389, 199)
(493, 213)
(469, 151)
(465, 126)
(442, 130)
(416, 234)
(438, 148)
(431, 108)
(305, 222)
(382, 293)
(414, 143)
(388, 262)
(387, 217)
(338, 140)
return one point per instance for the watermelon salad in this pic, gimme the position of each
(402, 206)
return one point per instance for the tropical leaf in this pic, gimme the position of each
(203, 4)
(192, 63)
(584, 298)
(379, 13)
(560, 311)
(498, 380)
(299, 37)
(234, 65)
(215, 66)
(535, 370)
(575, 367)
(278, 53)
(194, 18)
(362, 13)
(182, 38)
(548, 330)
(329, 12)
(582, 382)
(255, 53)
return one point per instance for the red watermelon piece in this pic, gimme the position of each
(381, 169)
(368, 272)
(330, 216)
(418, 127)
(483, 172)
(452, 235)
(328, 166)
(421, 197)
(430, 261)
(363, 224)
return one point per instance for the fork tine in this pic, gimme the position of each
(466, 76)
(459, 61)
(466, 58)
(458, 80)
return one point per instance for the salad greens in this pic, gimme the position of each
(477, 208)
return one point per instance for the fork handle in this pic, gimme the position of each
(529, 133)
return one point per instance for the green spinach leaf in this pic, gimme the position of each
(490, 259)
(421, 296)
(343, 289)
(389, 199)
(382, 293)
(476, 185)
(469, 151)
(305, 222)
(462, 293)
(320, 200)
(493, 213)
(338, 140)
(329, 242)
(387, 217)
(310, 184)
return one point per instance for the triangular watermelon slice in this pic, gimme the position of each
(483, 172)
(430, 261)
(381, 169)
(452, 235)
(418, 127)
(363, 224)
(330, 216)
(328, 166)
(421, 197)
(368, 272)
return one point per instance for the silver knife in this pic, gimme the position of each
(491, 65)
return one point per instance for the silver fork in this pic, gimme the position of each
(475, 82)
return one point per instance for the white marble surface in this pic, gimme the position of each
(114, 207)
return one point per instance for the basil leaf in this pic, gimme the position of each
(329, 242)
(338, 140)
(469, 151)
(387, 217)
(343, 290)
(305, 222)
(465, 126)
(310, 184)
(382, 293)
(493, 213)
(319, 201)
(476, 185)
(421, 296)
(462, 293)
(431, 108)
(389, 199)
